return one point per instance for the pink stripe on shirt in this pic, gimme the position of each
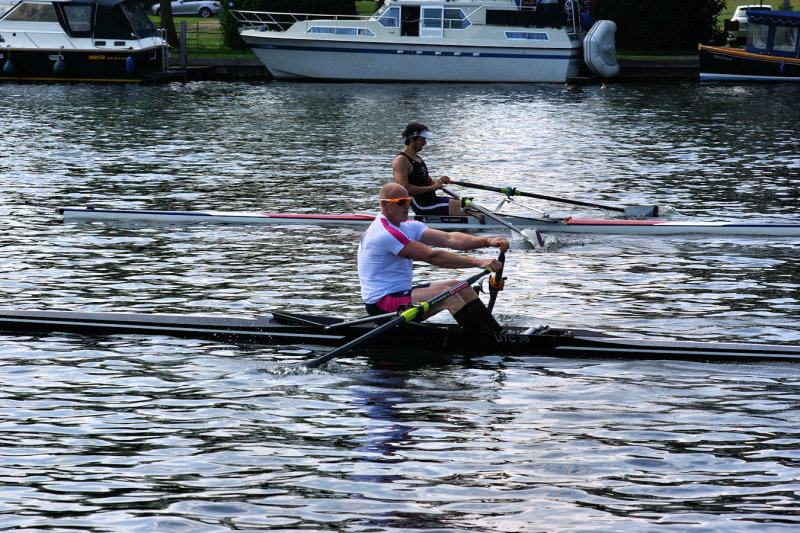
(397, 234)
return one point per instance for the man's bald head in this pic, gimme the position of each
(393, 190)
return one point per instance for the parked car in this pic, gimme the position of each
(737, 26)
(203, 8)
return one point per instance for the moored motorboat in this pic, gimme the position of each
(407, 342)
(475, 222)
(80, 40)
(425, 40)
(772, 52)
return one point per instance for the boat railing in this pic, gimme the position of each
(282, 21)
(573, 10)
(278, 21)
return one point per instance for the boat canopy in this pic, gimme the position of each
(99, 19)
(773, 33)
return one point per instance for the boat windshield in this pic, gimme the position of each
(141, 24)
(757, 36)
(33, 12)
(5, 7)
(78, 18)
(455, 19)
(125, 20)
(390, 18)
(785, 39)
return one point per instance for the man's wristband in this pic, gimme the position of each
(486, 243)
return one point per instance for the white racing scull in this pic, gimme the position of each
(478, 221)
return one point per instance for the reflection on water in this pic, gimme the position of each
(153, 434)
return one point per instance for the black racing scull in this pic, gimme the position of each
(406, 341)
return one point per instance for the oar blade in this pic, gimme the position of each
(534, 238)
(641, 211)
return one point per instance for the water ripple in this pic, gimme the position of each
(138, 433)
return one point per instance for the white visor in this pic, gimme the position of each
(423, 133)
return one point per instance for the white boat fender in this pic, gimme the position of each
(599, 50)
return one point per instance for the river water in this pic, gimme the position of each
(130, 433)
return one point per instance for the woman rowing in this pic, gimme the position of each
(390, 246)
(411, 173)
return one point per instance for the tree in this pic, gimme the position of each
(663, 24)
(167, 22)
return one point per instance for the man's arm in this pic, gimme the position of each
(460, 241)
(418, 251)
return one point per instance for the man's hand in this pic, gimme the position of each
(496, 242)
(494, 264)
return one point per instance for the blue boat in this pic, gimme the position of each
(772, 52)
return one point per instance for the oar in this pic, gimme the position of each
(406, 316)
(635, 211)
(533, 237)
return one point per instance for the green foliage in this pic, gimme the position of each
(230, 28)
(663, 24)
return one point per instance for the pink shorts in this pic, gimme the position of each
(392, 302)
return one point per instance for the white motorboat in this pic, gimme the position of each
(79, 40)
(433, 41)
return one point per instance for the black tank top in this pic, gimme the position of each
(419, 177)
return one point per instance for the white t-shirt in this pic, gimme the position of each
(380, 270)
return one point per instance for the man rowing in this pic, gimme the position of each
(411, 172)
(390, 246)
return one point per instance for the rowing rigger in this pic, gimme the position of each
(408, 343)
(477, 221)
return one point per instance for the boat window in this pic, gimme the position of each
(391, 18)
(455, 19)
(122, 21)
(5, 8)
(757, 35)
(785, 39)
(331, 30)
(530, 35)
(141, 24)
(33, 12)
(433, 18)
(79, 18)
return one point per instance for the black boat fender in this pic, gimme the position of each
(9, 69)
(60, 66)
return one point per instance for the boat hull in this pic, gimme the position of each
(122, 66)
(294, 59)
(600, 226)
(730, 64)
(408, 342)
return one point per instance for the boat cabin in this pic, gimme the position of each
(430, 18)
(773, 33)
(114, 21)
(79, 40)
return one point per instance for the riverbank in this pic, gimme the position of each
(251, 69)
